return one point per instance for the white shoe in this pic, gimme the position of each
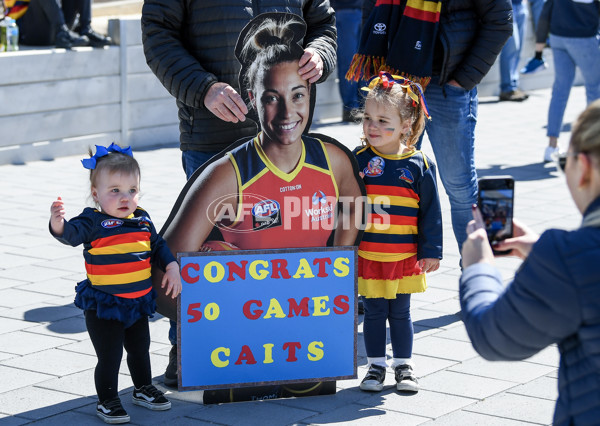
(548, 153)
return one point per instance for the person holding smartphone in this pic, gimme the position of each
(555, 294)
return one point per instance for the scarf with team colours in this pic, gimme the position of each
(399, 38)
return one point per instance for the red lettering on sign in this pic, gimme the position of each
(185, 273)
(194, 312)
(280, 265)
(321, 262)
(291, 347)
(341, 304)
(246, 355)
(239, 270)
(298, 309)
(252, 314)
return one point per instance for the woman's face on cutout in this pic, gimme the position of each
(282, 100)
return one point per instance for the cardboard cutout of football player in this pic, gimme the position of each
(281, 189)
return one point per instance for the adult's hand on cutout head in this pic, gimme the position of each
(311, 65)
(224, 102)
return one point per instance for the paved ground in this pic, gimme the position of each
(47, 360)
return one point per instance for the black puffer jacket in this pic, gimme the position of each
(189, 45)
(471, 36)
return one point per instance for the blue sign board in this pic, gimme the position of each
(257, 317)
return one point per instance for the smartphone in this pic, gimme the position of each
(495, 200)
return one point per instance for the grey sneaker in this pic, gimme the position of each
(405, 379)
(374, 379)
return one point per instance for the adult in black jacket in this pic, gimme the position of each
(190, 46)
(470, 36)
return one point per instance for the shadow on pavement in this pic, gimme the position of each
(65, 319)
(436, 322)
(527, 172)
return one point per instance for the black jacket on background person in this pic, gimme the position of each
(471, 35)
(189, 45)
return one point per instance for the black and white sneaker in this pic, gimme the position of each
(150, 397)
(111, 411)
(374, 379)
(405, 379)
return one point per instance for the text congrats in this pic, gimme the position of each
(264, 317)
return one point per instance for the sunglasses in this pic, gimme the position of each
(560, 159)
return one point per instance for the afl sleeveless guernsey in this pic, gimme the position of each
(281, 210)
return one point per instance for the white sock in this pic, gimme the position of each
(401, 361)
(380, 361)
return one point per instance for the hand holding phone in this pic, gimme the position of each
(495, 201)
(521, 243)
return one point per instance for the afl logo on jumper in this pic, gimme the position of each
(111, 223)
(379, 28)
(266, 214)
(406, 176)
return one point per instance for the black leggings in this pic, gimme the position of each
(109, 337)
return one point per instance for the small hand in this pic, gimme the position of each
(429, 265)
(311, 65)
(172, 280)
(57, 217)
(224, 102)
(454, 83)
(522, 241)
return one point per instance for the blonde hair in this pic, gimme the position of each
(586, 131)
(398, 99)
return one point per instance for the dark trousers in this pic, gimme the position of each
(39, 25)
(378, 311)
(109, 337)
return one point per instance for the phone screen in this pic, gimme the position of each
(496, 198)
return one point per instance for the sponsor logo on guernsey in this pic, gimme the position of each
(111, 223)
(290, 188)
(418, 45)
(374, 167)
(319, 198)
(406, 176)
(266, 214)
(323, 209)
(379, 28)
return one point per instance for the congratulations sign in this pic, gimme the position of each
(266, 317)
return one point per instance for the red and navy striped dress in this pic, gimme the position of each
(404, 222)
(118, 256)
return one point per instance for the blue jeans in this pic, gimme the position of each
(397, 312)
(511, 52)
(451, 132)
(190, 161)
(569, 53)
(536, 10)
(347, 22)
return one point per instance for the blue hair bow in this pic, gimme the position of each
(101, 151)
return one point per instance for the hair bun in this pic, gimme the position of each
(265, 39)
